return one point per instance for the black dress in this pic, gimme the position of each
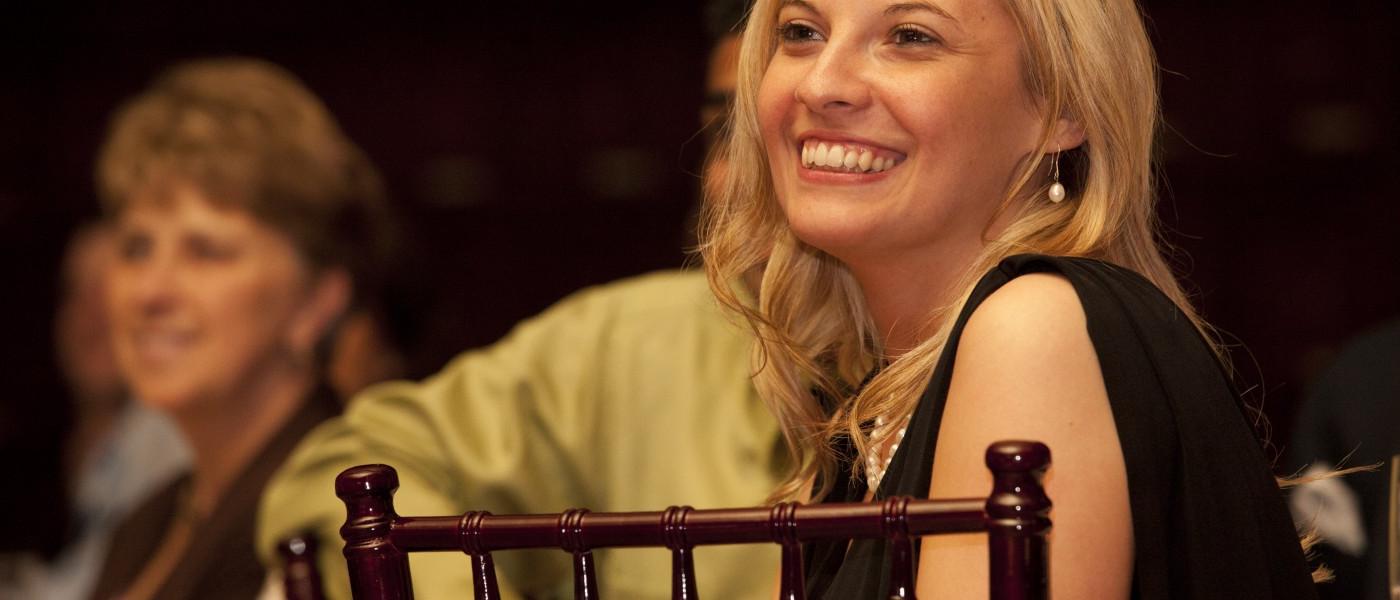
(1208, 519)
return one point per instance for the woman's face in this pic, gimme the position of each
(894, 127)
(202, 298)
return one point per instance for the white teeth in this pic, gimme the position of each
(837, 156)
(160, 346)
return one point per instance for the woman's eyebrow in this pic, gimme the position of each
(906, 7)
(797, 3)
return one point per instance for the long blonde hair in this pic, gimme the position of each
(1088, 60)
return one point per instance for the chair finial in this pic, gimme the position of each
(1018, 514)
(379, 570)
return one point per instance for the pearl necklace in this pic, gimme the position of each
(877, 462)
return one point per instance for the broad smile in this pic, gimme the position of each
(160, 346)
(839, 156)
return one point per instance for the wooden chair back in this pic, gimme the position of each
(1014, 515)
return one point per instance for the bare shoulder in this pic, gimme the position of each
(1025, 368)
(1033, 311)
(1025, 340)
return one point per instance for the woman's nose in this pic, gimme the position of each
(835, 84)
(152, 284)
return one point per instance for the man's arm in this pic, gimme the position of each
(461, 439)
(629, 396)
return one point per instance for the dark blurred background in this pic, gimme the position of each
(534, 148)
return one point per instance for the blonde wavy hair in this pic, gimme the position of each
(1088, 60)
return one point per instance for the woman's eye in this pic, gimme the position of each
(913, 35)
(133, 247)
(794, 32)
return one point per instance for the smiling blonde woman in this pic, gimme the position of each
(951, 205)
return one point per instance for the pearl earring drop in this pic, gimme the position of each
(1057, 191)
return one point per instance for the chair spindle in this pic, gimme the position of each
(483, 568)
(571, 540)
(301, 580)
(673, 528)
(782, 526)
(895, 520)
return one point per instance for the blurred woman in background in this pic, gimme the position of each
(244, 219)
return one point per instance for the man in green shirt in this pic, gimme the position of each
(629, 396)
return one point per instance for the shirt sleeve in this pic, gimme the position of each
(459, 439)
(629, 396)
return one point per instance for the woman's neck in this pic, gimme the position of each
(227, 434)
(903, 289)
(902, 295)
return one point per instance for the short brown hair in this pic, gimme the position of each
(250, 135)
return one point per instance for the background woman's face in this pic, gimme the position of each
(201, 299)
(894, 127)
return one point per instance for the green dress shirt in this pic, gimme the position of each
(634, 395)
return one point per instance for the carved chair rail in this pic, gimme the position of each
(1015, 516)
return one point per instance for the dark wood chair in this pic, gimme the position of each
(301, 579)
(1015, 517)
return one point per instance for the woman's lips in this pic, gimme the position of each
(161, 347)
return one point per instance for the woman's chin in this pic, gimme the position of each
(845, 239)
(165, 397)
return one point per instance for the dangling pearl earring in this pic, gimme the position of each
(1057, 191)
